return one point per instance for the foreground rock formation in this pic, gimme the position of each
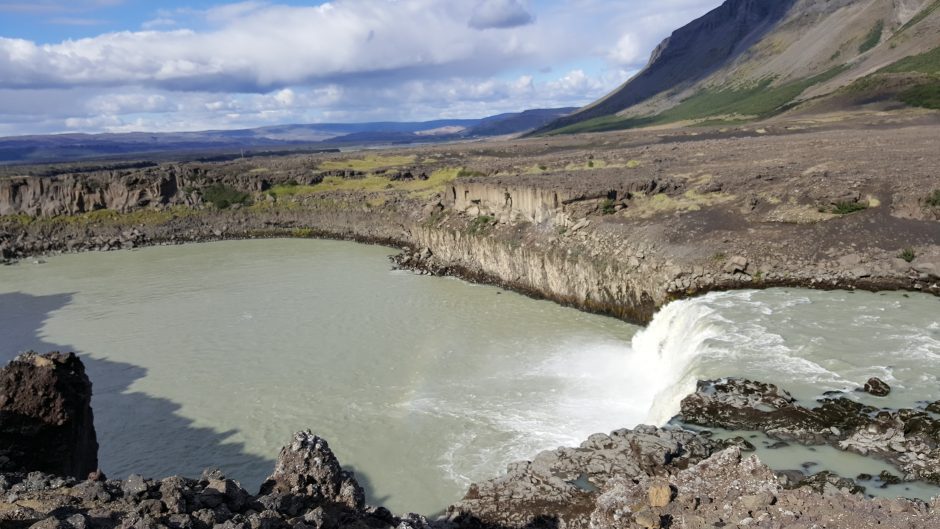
(46, 421)
(647, 478)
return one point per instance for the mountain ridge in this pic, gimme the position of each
(54, 148)
(753, 59)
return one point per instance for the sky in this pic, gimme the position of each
(139, 65)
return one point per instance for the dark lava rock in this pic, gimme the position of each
(934, 408)
(308, 468)
(546, 490)
(46, 422)
(905, 438)
(877, 387)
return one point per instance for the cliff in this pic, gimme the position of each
(620, 228)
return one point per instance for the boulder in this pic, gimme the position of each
(877, 387)
(736, 264)
(46, 422)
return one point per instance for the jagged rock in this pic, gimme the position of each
(46, 421)
(904, 438)
(737, 264)
(934, 408)
(564, 484)
(877, 387)
(307, 467)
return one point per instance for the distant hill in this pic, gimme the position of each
(212, 143)
(752, 59)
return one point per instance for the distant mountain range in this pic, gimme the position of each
(221, 143)
(753, 59)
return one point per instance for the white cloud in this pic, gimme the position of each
(257, 63)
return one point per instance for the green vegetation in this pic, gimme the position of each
(468, 173)
(925, 95)
(374, 183)
(290, 189)
(303, 233)
(761, 100)
(480, 224)
(907, 254)
(933, 200)
(873, 37)
(608, 207)
(924, 13)
(846, 208)
(223, 197)
(927, 62)
(368, 163)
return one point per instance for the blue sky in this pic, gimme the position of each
(129, 65)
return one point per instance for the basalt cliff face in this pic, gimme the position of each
(620, 228)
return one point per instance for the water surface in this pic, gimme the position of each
(213, 354)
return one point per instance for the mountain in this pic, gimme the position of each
(214, 143)
(752, 59)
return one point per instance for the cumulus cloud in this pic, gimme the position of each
(257, 47)
(500, 14)
(257, 63)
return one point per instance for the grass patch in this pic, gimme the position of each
(760, 100)
(873, 37)
(907, 254)
(927, 62)
(371, 183)
(223, 197)
(933, 199)
(608, 207)
(469, 173)
(480, 224)
(847, 208)
(649, 206)
(924, 96)
(367, 163)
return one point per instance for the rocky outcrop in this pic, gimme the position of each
(563, 485)
(906, 438)
(308, 490)
(308, 473)
(731, 490)
(46, 421)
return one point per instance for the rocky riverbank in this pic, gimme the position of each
(643, 478)
(619, 227)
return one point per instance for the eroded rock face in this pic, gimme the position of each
(909, 439)
(46, 421)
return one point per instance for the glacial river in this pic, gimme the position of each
(212, 355)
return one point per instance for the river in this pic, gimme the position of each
(211, 355)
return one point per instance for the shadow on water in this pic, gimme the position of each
(137, 433)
